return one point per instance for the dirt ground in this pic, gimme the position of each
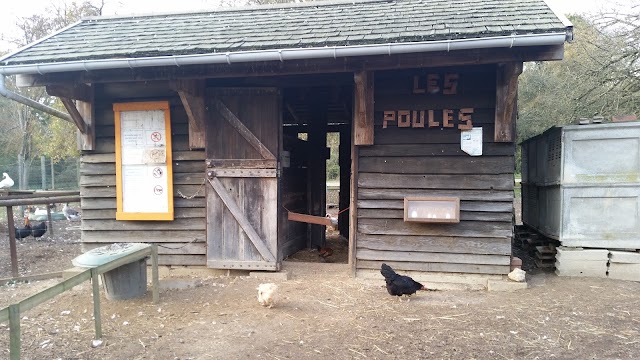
(322, 313)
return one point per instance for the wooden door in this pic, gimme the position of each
(242, 146)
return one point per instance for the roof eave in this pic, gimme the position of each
(524, 40)
(565, 21)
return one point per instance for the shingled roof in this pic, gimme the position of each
(307, 25)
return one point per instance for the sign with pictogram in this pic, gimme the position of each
(157, 172)
(156, 136)
(143, 161)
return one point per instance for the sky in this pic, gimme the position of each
(11, 10)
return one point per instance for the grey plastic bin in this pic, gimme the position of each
(124, 282)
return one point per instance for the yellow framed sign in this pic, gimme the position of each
(144, 175)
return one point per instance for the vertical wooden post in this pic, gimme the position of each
(14, 331)
(43, 171)
(87, 141)
(155, 281)
(344, 160)
(21, 172)
(506, 101)
(317, 168)
(53, 176)
(363, 112)
(96, 303)
(11, 227)
(50, 221)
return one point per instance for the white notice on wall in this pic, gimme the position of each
(471, 141)
(144, 170)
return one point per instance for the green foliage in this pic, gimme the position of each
(56, 139)
(29, 133)
(333, 169)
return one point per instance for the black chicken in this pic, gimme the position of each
(39, 230)
(399, 285)
(25, 231)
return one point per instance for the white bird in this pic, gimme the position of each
(333, 219)
(70, 213)
(6, 182)
(267, 294)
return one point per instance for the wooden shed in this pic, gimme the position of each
(203, 130)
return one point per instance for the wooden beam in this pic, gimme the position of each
(309, 219)
(314, 66)
(246, 133)
(506, 101)
(87, 141)
(36, 201)
(363, 113)
(242, 220)
(75, 114)
(292, 111)
(72, 91)
(192, 95)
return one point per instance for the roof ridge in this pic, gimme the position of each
(294, 5)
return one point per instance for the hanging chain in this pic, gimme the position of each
(196, 193)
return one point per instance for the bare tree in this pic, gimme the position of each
(23, 124)
(598, 76)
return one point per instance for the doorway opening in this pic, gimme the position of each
(315, 178)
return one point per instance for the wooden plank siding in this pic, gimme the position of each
(181, 241)
(428, 161)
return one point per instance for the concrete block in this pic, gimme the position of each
(581, 268)
(626, 257)
(620, 271)
(270, 275)
(505, 285)
(569, 253)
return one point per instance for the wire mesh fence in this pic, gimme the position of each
(63, 175)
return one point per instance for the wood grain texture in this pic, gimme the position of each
(436, 181)
(506, 101)
(363, 112)
(432, 257)
(438, 244)
(466, 228)
(437, 267)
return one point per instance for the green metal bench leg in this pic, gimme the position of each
(14, 332)
(96, 303)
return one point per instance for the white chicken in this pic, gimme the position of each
(6, 182)
(70, 214)
(267, 294)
